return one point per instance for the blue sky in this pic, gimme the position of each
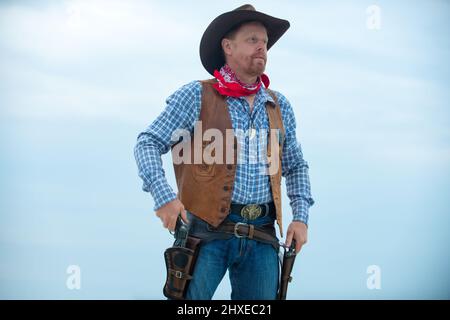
(80, 79)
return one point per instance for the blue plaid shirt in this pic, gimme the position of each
(183, 110)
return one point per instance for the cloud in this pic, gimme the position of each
(98, 59)
(74, 30)
(90, 58)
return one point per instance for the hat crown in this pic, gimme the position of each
(246, 7)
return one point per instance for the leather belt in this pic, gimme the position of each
(250, 231)
(227, 229)
(253, 211)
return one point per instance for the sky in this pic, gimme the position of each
(79, 80)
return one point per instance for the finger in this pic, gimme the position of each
(172, 224)
(289, 237)
(184, 216)
(298, 247)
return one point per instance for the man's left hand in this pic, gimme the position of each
(299, 231)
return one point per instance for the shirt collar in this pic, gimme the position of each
(265, 96)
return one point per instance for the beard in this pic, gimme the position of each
(257, 66)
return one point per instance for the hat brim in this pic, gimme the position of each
(210, 44)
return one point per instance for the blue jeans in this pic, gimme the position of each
(253, 266)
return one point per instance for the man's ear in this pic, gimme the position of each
(226, 46)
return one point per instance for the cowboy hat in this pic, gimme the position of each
(210, 45)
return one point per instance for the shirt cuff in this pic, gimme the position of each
(300, 212)
(162, 193)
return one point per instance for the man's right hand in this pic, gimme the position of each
(169, 214)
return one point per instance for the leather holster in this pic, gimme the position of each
(180, 262)
(286, 270)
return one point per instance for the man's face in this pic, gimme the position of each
(247, 51)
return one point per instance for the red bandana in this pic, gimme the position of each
(229, 85)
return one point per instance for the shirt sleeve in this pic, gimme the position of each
(294, 167)
(181, 111)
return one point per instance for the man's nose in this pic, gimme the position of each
(262, 46)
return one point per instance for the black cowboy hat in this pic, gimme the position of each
(210, 45)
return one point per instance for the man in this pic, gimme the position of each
(232, 205)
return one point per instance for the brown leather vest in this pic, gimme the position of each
(205, 187)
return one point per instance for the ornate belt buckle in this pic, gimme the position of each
(251, 211)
